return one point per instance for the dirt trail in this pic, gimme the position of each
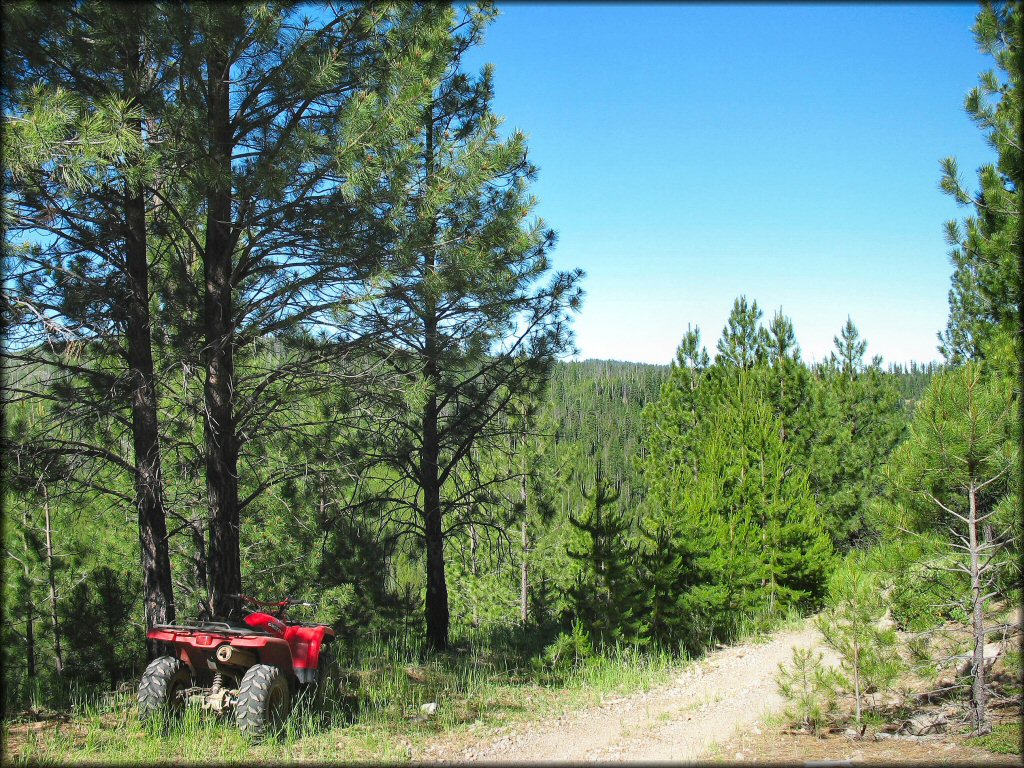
(708, 702)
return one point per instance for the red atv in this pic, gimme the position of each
(254, 668)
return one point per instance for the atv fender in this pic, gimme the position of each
(269, 650)
(306, 643)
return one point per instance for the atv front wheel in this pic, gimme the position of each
(162, 683)
(263, 701)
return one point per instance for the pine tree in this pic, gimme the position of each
(780, 341)
(674, 416)
(868, 653)
(604, 591)
(666, 573)
(850, 349)
(237, 132)
(737, 506)
(690, 354)
(986, 299)
(473, 318)
(280, 246)
(950, 474)
(83, 82)
(787, 383)
(743, 340)
(593, 409)
(857, 423)
(810, 688)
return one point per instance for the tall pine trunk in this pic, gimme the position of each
(221, 444)
(437, 589)
(978, 693)
(30, 632)
(149, 498)
(524, 567)
(158, 594)
(436, 607)
(51, 577)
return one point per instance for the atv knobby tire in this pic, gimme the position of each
(163, 680)
(264, 701)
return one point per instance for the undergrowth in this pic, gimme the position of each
(489, 679)
(1004, 739)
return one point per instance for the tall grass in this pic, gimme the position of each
(491, 677)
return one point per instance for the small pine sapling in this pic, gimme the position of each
(569, 650)
(809, 687)
(869, 661)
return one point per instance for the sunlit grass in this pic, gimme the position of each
(1004, 739)
(490, 679)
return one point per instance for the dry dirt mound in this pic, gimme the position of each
(731, 689)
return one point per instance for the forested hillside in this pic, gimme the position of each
(310, 538)
(281, 320)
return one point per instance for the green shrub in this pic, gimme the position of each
(569, 650)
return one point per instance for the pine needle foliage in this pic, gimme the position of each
(986, 290)
(471, 318)
(809, 687)
(850, 625)
(741, 513)
(604, 591)
(954, 476)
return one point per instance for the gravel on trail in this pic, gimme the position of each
(706, 704)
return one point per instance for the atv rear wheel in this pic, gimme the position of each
(263, 701)
(162, 683)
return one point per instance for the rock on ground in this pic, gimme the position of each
(706, 703)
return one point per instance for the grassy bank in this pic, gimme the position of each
(479, 687)
(488, 681)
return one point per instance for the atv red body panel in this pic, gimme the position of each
(293, 648)
(265, 621)
(305, 642)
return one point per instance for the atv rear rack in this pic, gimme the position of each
(212, 627)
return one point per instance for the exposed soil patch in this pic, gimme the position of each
(775, 746)
(724, 708)
(729, 690)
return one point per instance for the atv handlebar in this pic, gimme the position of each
(281, 605)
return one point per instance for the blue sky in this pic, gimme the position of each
(691, 153)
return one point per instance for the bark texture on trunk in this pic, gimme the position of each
(158, 594)
(221, 444)
(149, 498)
(437, 588)
(50, 572)
(436, 608)
(979, 721)
(524, 568)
